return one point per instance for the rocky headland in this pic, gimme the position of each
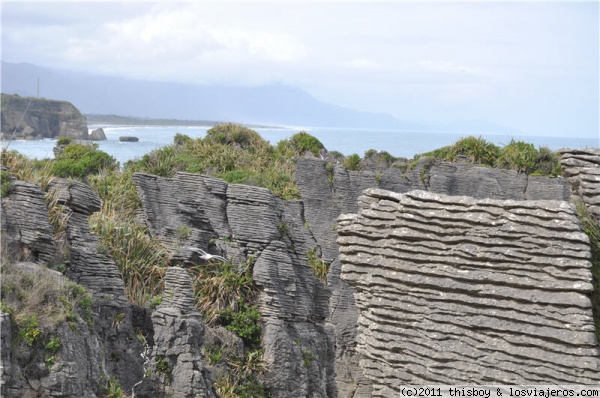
(430, 271)
(27, 118)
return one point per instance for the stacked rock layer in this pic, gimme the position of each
(461, 290)
(582, 169)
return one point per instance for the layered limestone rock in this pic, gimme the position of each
(241, 222)
(35, 118)
(582, 169)
(93, 350)
(26, 231)
(89, 264)
(178, 338)
(330, 190)
(458, 290)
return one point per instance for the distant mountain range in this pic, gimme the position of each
(275, 104)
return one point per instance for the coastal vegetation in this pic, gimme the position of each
(234, 153)
(516, 155)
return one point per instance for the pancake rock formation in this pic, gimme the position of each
(582, 169)
(452, 289)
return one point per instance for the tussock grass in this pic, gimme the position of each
(38, 300)
(220, 287)
(141, 259)
(516, 155)
(234, 153)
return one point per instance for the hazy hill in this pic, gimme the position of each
(275, 104)
(272, 104)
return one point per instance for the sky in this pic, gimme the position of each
(533, 66)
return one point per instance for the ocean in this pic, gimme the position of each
(345, 140)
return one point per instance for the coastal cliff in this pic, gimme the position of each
(318, 267)
(27, 118)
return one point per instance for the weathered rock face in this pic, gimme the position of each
(178, 338)
(459, 290)
(329, 191)
(88, 356)
(26, 231)
(34, 118)
(75, 370)
(89, 267)
(582, 168)
(240, 222)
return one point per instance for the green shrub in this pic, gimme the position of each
(7, 186)
(80, 161)
(29, 329)
(64, 141)
(39, 301)
(475, 149)
(183, 232)
(244, 322)
(518, 155)
(142, 260)
(547, 163)
(113, 389)
(54, 344)
(370, 152)
(320, 268)
(220, 286)
(302, 142)
(231, 133)
(257, 164)
(181, 139)
(352, 162)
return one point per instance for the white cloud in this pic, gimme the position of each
(178, 42)
(411, 59)
(453, 68)
(361, 63)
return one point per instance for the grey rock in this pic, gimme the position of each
(328, 192)
(463, 290)
(26, 231)
(128, 139)
(89, 265)
(241, 222)
(76, 368)
(98, 135)
(582, 168)
(178, 338)
(80, 197)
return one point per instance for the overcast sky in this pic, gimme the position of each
(529, 65)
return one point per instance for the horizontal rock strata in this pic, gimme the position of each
(178, 337)
(459, 290)
(26, 231)
(328, 191)
(89, 265)
(582, 169)
(240, 222)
